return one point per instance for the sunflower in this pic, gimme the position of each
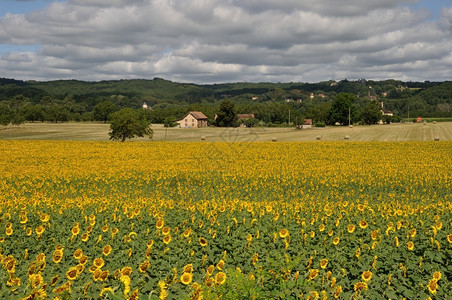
(85, 237)
(75, 230)
(167, 239)
(432, 286)
(283, 233)
(437, 275)
(72, 273)
(150, 243)
(209, 281)
(83, 260)
(96, 274)
(40, 230)
(202, 242)
(159, 224)
(186, 278)
(78, 253)
(366, 276)
(114, 231)
(336, 240)
(9, 231)
(29, 231)
(98, 263)
(187, 232)
(337, 292)
(363, 224)
(126, 271)
(57, 256)
(323, 263)
(144, 266)
(351, 228)
(313, 273)
(35, 280)
(200, 224)
(449, 238)
(220, 265)
(166, 230)
(439, 225)
(322, 227)
(105, 228)
(188, 269)
(374, 234)
(220, 278)
(106, 250)
(410, 245)
(412, 233)
(104, 275)
(54, 280)
(360, 286)
(210, 270)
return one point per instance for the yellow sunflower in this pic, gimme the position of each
(167, 239)
(78, 253)
(9, 231)
(336, 240)
(106, 250)
(283, 233)
(210, 270)
(188, 269)
(85, 237)
(98, 263)
(166, 230)
(313, 273)
(432, 286)
(40, 230)
(323, 263)
(351, 228)
(220, 265)
(202, 242)
(366, 276)
(220, 278)
(410, 245)
(72, 273)
(449, 238)
(144, 266)
(159, 224)
(186, 278)
(83, 260)
(363, 224)
(360, 286)
(75, 230)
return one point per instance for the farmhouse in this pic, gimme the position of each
(193, 119)
(244, 119)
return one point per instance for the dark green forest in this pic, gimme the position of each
(273, 104)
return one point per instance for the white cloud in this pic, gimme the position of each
(234, 40)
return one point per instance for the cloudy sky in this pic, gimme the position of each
(208, 41)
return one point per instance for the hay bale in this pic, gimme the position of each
(319, 137)
(347, 137)
(436, 138)
(274, 139)
(351, 126)
(203, 138)
(434, 122)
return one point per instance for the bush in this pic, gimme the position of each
(320, 124)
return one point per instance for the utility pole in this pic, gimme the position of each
(289, 117)
(349, 116)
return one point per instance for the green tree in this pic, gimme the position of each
(103, 110)
(342, 108)
(6, 114)
(128, 123)
(370, 113)
(227, 116)
(170, 122)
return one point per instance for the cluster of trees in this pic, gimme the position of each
(273, 104)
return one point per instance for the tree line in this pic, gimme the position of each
(273, 104)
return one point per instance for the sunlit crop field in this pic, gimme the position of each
(148, 220)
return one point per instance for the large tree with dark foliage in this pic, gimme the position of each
(226, 117)
(128, 123)
(371, 113)
(342, 109)
(102, 111)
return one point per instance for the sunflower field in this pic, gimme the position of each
(162, 220)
